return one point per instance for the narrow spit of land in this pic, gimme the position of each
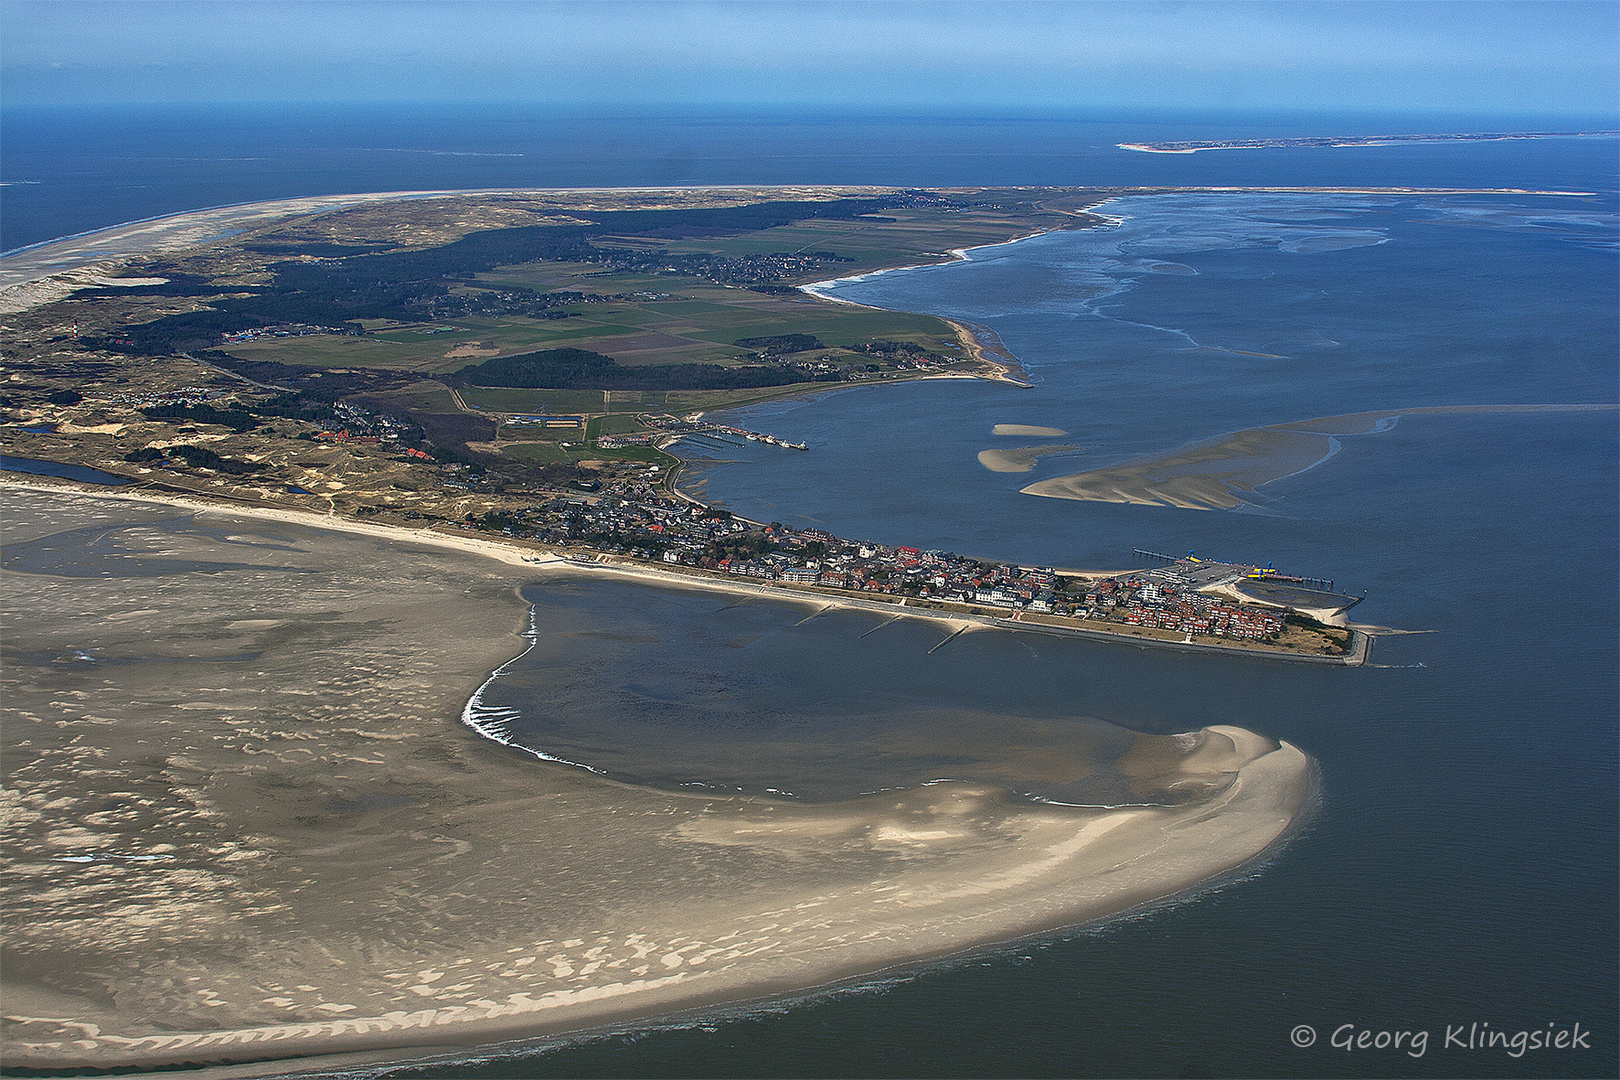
(1347, 141)
(1322, 637)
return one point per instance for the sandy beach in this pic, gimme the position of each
(242, 821)
(44, 273)
(983, 346)
(979, 342)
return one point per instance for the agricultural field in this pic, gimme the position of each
(575, 449)
(692, 322)
(425, 396)
(259, 327)
(357, 324)
(681, 402)
(503, 400)
(916, 236)
(622, 423)
(622, 402)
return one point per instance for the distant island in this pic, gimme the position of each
(1333, 141)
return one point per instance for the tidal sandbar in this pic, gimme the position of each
(243, 823)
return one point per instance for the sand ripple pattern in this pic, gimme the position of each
(345, 867)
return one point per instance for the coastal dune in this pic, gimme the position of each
(241, 822)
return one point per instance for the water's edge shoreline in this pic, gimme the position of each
(542, 559)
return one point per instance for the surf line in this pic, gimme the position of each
(495, 723)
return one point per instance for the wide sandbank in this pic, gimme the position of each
(1021, 459)
(1027, 429)
(1224, 472)
(242, 822)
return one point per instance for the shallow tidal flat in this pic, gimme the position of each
(242, 821)
(1022, 458)
(1214, 474)
(1019, 459)
(1204, 477)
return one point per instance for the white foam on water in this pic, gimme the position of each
(495, 723)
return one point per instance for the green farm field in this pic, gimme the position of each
(553, 453)
(698, 326)
(425, 396)
(626, 403)
(499, 399)
(915, 236)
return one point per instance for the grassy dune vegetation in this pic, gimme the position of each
(913, 236)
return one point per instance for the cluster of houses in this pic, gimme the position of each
(673, 426)
(185, 395)
(618, 442)
(289, 330)
(817, 557)
(1168, 606)
(654, 526)
(635, 518)
(355, 426)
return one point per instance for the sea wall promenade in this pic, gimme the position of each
(902, 608)
(538, 553)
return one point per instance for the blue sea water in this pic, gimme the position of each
(1300, 306)
(1462, 865)
(67, 169)
(82, 473)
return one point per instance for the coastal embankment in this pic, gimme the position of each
(984, 346)
(980, 343)
(243, 823)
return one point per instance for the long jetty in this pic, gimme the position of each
(1314, 583)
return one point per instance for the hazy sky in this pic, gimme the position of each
(1549, 59)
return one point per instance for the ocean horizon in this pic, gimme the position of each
(68, 169)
